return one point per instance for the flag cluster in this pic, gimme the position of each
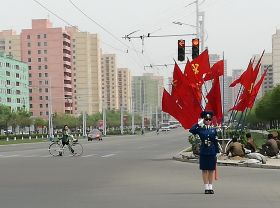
(184, 102)
(250, 87)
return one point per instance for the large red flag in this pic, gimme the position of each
(170, 106)
(245, 76)
(216, 70)
(214, 100)
(198, 67)
(256, 89)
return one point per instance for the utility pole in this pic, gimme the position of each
(50, 110)
(132, 117)
(84, 124)
(197, 19)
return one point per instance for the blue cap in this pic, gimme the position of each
(206, 114)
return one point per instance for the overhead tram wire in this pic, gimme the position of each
(69, 24)
(116, 38)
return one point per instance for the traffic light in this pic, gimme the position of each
(181, 50)
(195, 48)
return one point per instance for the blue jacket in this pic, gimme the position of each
(208, 137)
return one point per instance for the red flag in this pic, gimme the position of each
(198, 67)
(256, 89)
(214, 100)
(170, 106)
(244, 76)
(216, 70)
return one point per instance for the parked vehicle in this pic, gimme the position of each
(95, 134)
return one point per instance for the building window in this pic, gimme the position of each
(9, 100)
(18, 100)
(28, 37)
(46, 74)
(29, 52)
(30, 106)
(41, 98)
(45, 59)
(29, 68)
(30, 90)
(18, 92)
(17, 83)
(9, 91)
(8, 73)
(39, 51)
(17, 75)
(45, 51)
(46, 90)
(8, 82)
(30, 98)
(41, 113)
(29, 59)
(38, 36)
(41, 105)
(45, 35)
(39, 44)
(39, 59)
(30, 75)
(45, 44)
(40, 74)
(46, 66)
(39, 67)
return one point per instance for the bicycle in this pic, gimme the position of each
(56, 148)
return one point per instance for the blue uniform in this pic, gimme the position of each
(209, 146)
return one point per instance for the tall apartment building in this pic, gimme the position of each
(276, 57)
(47, 51)
(268, 80)
(10, 43)
(110, 97)
(13, 83)
(86, 65)
(124, 89)
(147, 92)
(236, 73)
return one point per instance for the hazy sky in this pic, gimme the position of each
(240, 28)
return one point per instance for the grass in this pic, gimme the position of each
(259, 139)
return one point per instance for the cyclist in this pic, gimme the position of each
(65, 139)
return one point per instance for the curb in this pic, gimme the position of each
(224, 163)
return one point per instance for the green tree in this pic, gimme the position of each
(5, 113)
(39, 122)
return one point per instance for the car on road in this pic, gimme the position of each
(94, 134)
(165, 128)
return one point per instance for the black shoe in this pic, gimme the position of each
(211, 191)
(206, 192)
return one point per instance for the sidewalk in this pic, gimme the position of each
(271, 163)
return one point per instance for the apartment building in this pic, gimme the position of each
(86, 65)
(110, 97)
(47, 51)
(10, 44)
(124, 89)
(13, 83)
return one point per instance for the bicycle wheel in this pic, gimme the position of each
(55, 149)
(78, 149)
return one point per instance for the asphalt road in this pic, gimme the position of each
(126, 172)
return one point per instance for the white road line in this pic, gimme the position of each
(47, 156)
(10, 156)
(30, 156)
(110, 155)
(88, 155)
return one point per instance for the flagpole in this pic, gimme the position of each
(223, 118)
(233, 112)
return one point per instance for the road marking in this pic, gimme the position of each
(110, 155)
(88, 155)
(5, 156)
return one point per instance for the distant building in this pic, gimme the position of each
(86, 64)
(10, 44)
(124, 89)
(13, 83)
(236, 73)
(47, 51)
(110, 97)
(147, 93)
(276, 57)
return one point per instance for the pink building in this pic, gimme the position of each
(47, 51)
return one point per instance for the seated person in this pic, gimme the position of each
(250, 145)
(270, 148)
(275, 136)
(235, 148)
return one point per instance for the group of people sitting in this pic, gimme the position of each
(270, 148)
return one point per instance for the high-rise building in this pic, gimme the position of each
(10, 44)
(124, 89)
(268, 80)
(276, 57)
(147, 92)
(47, 51)
(110, 97)
(236, 73)
(13, 83)
(86, 64)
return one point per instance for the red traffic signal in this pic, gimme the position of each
(195, 48)
(181, 50)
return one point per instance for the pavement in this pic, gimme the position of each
(271, 163)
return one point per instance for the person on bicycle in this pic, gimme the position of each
(65, 138)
